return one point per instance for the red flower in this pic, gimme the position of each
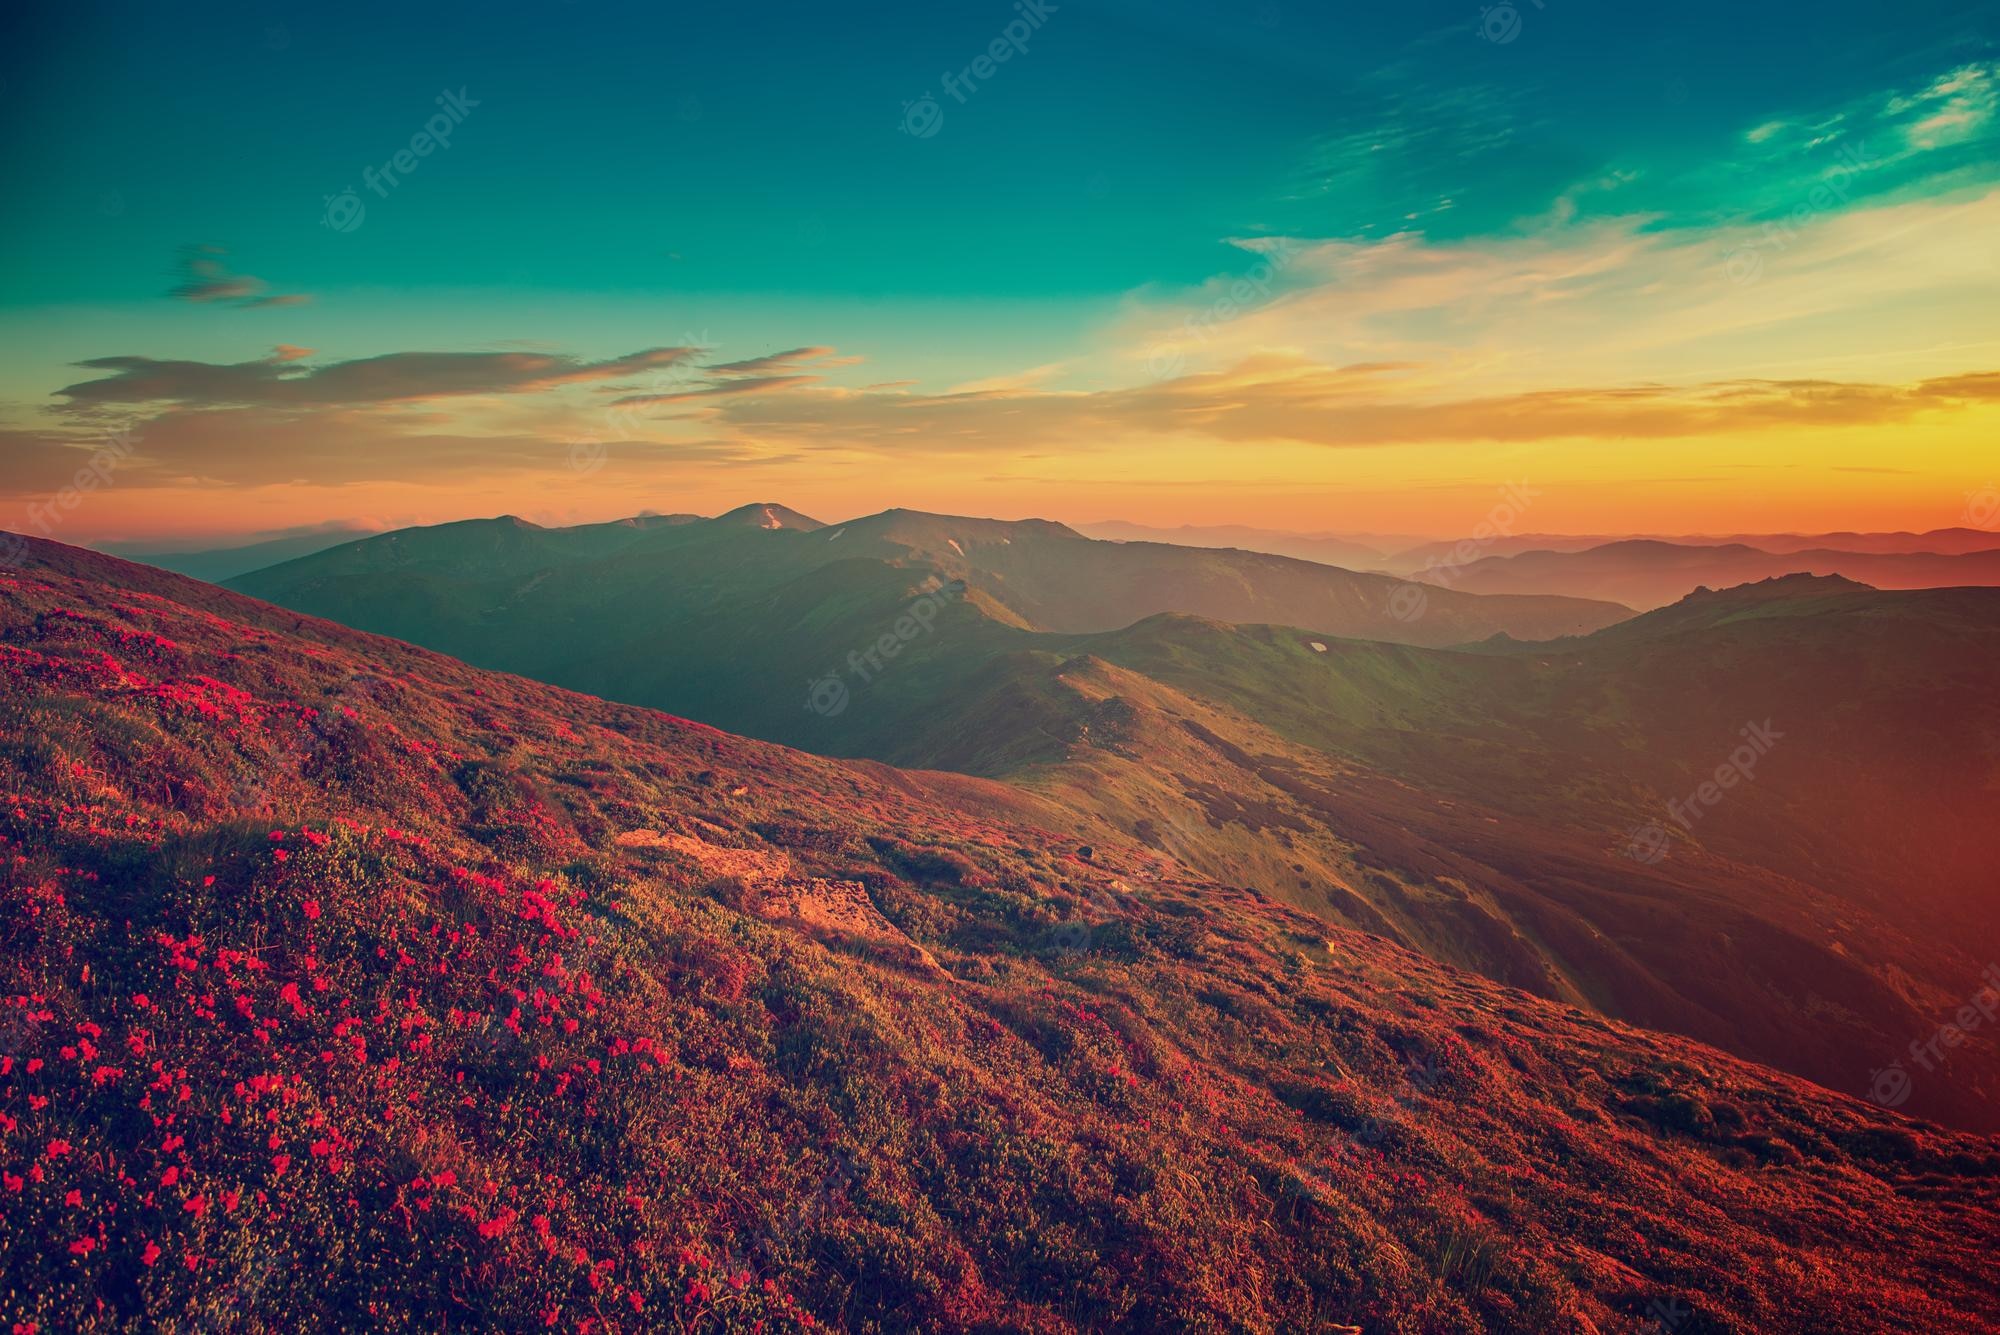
(493, 1228)
(151, 1254)
(83, 1246)
(311, 909)
(58, 1148)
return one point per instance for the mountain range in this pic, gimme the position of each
(337, 966)
(1534, 809)
(1646, 574)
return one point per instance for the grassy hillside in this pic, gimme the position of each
(333, 966)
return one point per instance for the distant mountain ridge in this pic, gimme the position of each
(1646, 573)
(1478, 804)
(1041, 571)
(218, 564)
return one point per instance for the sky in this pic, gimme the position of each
(1700, 269)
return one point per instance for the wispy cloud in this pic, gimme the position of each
(1277, 398)
(784, 363)
(1612, 299)
(206, 279)
(768, 374)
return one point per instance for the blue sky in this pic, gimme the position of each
(742, 176)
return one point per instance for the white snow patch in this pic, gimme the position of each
(1317, 647)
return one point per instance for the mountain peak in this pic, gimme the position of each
(769, 514)
(900, 521)
(1797, 585)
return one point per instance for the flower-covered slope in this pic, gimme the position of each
(343, 986)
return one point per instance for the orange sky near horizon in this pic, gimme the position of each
(1939, 475)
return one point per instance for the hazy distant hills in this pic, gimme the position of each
(1940, 542)
(1645, 574)
(1504, 810)
(1355, 552)
(218, 564)
(1637, 571)
(462, 1000)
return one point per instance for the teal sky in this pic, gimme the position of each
(746, 178)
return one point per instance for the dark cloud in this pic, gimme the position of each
(283, 379)
(262, 446)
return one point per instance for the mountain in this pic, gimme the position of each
(1035, 572)
(1461, 553)
(335, 966)
(225, 563)
(1326, 548)
(1504, 810)
(1937, 541)
(1056, 579)
(1647, 574)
